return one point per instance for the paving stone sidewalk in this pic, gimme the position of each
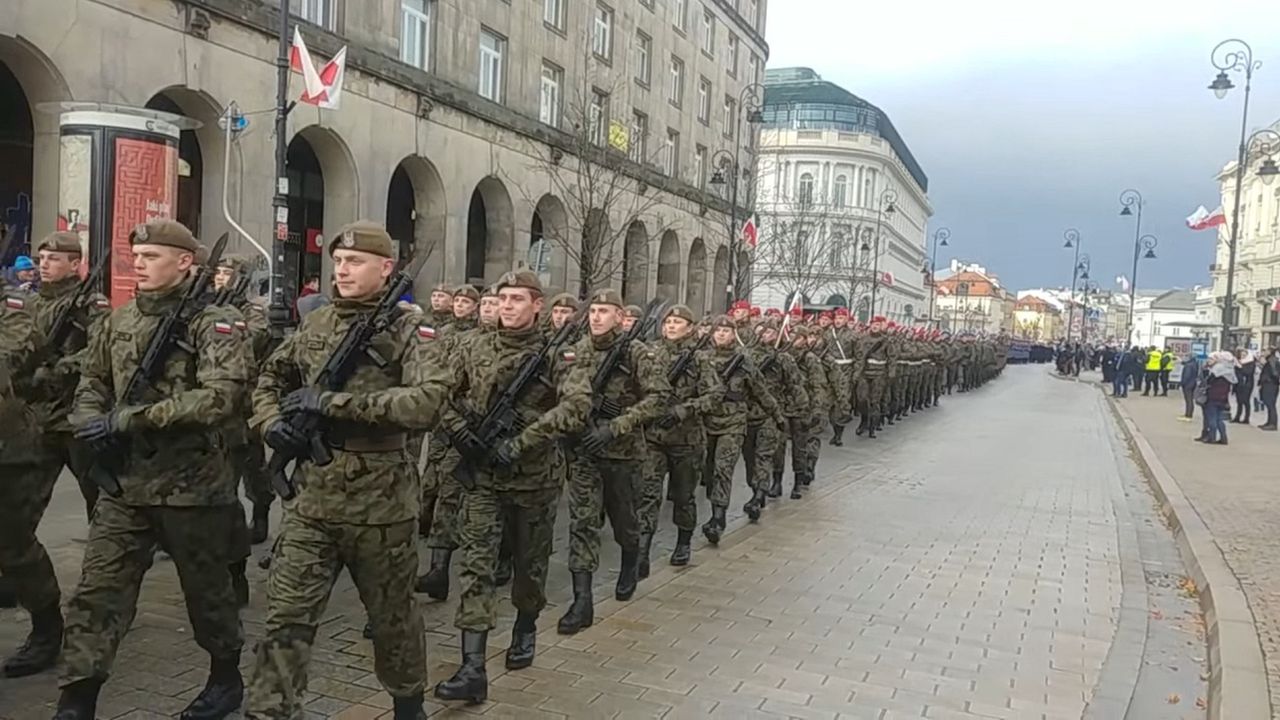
(966, 565)
(1236, 491)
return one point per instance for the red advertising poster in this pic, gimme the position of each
(314, 241)
(146, 185)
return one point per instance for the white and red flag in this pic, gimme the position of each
(750, 233)
(1275, 305)
(1202, 219)
(323, 88)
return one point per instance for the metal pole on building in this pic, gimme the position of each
(940, 237)
(884, 207)
(1073, 241)
(279, 312)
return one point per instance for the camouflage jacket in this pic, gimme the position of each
(814, 373)
(20, 338)
(177, 455)
(784, 381)
(59, 371)
(549, 411)
(637, 385)
(372, 479)
(876, 354)
(694, 394)
(255, 323)
(744, 390)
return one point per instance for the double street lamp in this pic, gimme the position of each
(940, 237)
(1131, 203)
(1073, 241)
(884, 206)
(729, 169)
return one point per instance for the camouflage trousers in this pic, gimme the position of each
(871, 391)
(842, 391)
(527, 519)
(600, 487)
(309, 554)
(758, 449)
(433, 476)
(249, 465)
(24, 496)
(802, 435)
(122, 543)
(723, 452)
(448, 503)
(680, 464)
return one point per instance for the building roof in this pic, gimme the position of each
(1175, 300)
(975, 285)
(1036, 304)
(789, 89)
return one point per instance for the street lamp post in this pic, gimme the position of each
(1090, 288)
(1131, 203)
(940, 237)
(885, 206)
(729, 165)
(1073, 241)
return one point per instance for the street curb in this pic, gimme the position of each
(1238, 686)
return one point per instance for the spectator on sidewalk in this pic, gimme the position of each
(1166, 367)
(1221, 381)
(1189, 380)
(1246, 367)
(1269, 386)
(1133, 362)
(1108, 362)
(1151, 374)
(1120, 374)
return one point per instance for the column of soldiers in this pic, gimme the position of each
(520, 398)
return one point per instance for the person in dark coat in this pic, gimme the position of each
(1246, 368)
(1188, 380)
(1269, 386)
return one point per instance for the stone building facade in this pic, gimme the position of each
(454, 115)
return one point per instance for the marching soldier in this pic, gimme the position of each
(677, 439)
(874, 354)
(764, 423)
(840, 371)
(515, 483)
(625, 398)
(805, 438)
(436, 325)
(359, 510)
(176, 489)
(631, 315)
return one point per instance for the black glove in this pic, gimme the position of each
(597, 439)
(668, 421)
(103, 429)
(609, 408)
(282, 436)
(505, 454)
(466, 442)
(304, 400)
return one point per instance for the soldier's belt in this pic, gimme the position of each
(382, 443)
(843, 362)
(873, 361)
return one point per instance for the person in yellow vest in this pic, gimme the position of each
(1152, 374)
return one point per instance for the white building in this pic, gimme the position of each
(842, 203)
(1158, 318)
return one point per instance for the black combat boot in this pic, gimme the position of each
(775, 487)
(471, 682)
(222, 694)
(837, 435)
(797, 482)
(408, 708)
(240, 583)
(40, 651)
(261, 526)
(715, 526)
(646, 545)
(627, 577)
(680, 554)
(581, 612)
(436, 582)
(79, 700)
(806, 478)
(753, 506)
(523, 636)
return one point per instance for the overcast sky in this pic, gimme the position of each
(1029, 121)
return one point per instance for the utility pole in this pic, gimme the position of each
(279, 312)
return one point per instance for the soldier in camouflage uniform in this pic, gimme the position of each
(360, 510)
(805, 430)
(873, 355)
(676, 440)
(515, 482)
(443, 536)
(728, 420)
(764, 425)
(625, 398)
(247, 454)
(840, 363)
(178, 492)
(26, 488)
(631, 315)
(437, 323)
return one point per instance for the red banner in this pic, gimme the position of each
(146, 186)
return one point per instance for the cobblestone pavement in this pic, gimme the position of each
(1235, 491)
(969, 564)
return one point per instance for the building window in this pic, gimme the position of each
(639, 137)
(644, 58)
(602, 32)
(681, 19)
(700, 165)
(415, 33)
(840, 191)
(676, 92)
(598, 117)
(806, 189)
(317, 12)
(553, 13)
(492, 49)
(755, 68)
(731, 55)
(549, 102)
(730, 117)
(704, 101)
(671, 155)
(753, 13)
(708, 33)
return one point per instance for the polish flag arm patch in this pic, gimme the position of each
(426, 332)
(223, 328)
(569, 356)
(14, 303)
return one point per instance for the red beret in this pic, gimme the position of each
(880, 319)
(797, 311)
(842, 312)
(773, 312)
(740, 305)
(755, 311)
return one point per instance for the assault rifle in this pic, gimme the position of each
(602, 408)
(500, 421)
(341, 364)
(169, 335)
(64, 322)
(731, 368)
(686, 359)
(233, 291)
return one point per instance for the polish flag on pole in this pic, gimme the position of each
(1123, 282)
(1202, 219)
(750, 234)
(323, 88)
(1275, 305)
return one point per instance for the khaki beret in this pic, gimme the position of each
(681, 311)
(607, 296)
(634, 311)
(521, 279)
(467, 291)
(445, 288)
(169, 233)
(363, 236)
(238, 263)
(565, 300)
(490, 291)
(722, 321)
(62, 242)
